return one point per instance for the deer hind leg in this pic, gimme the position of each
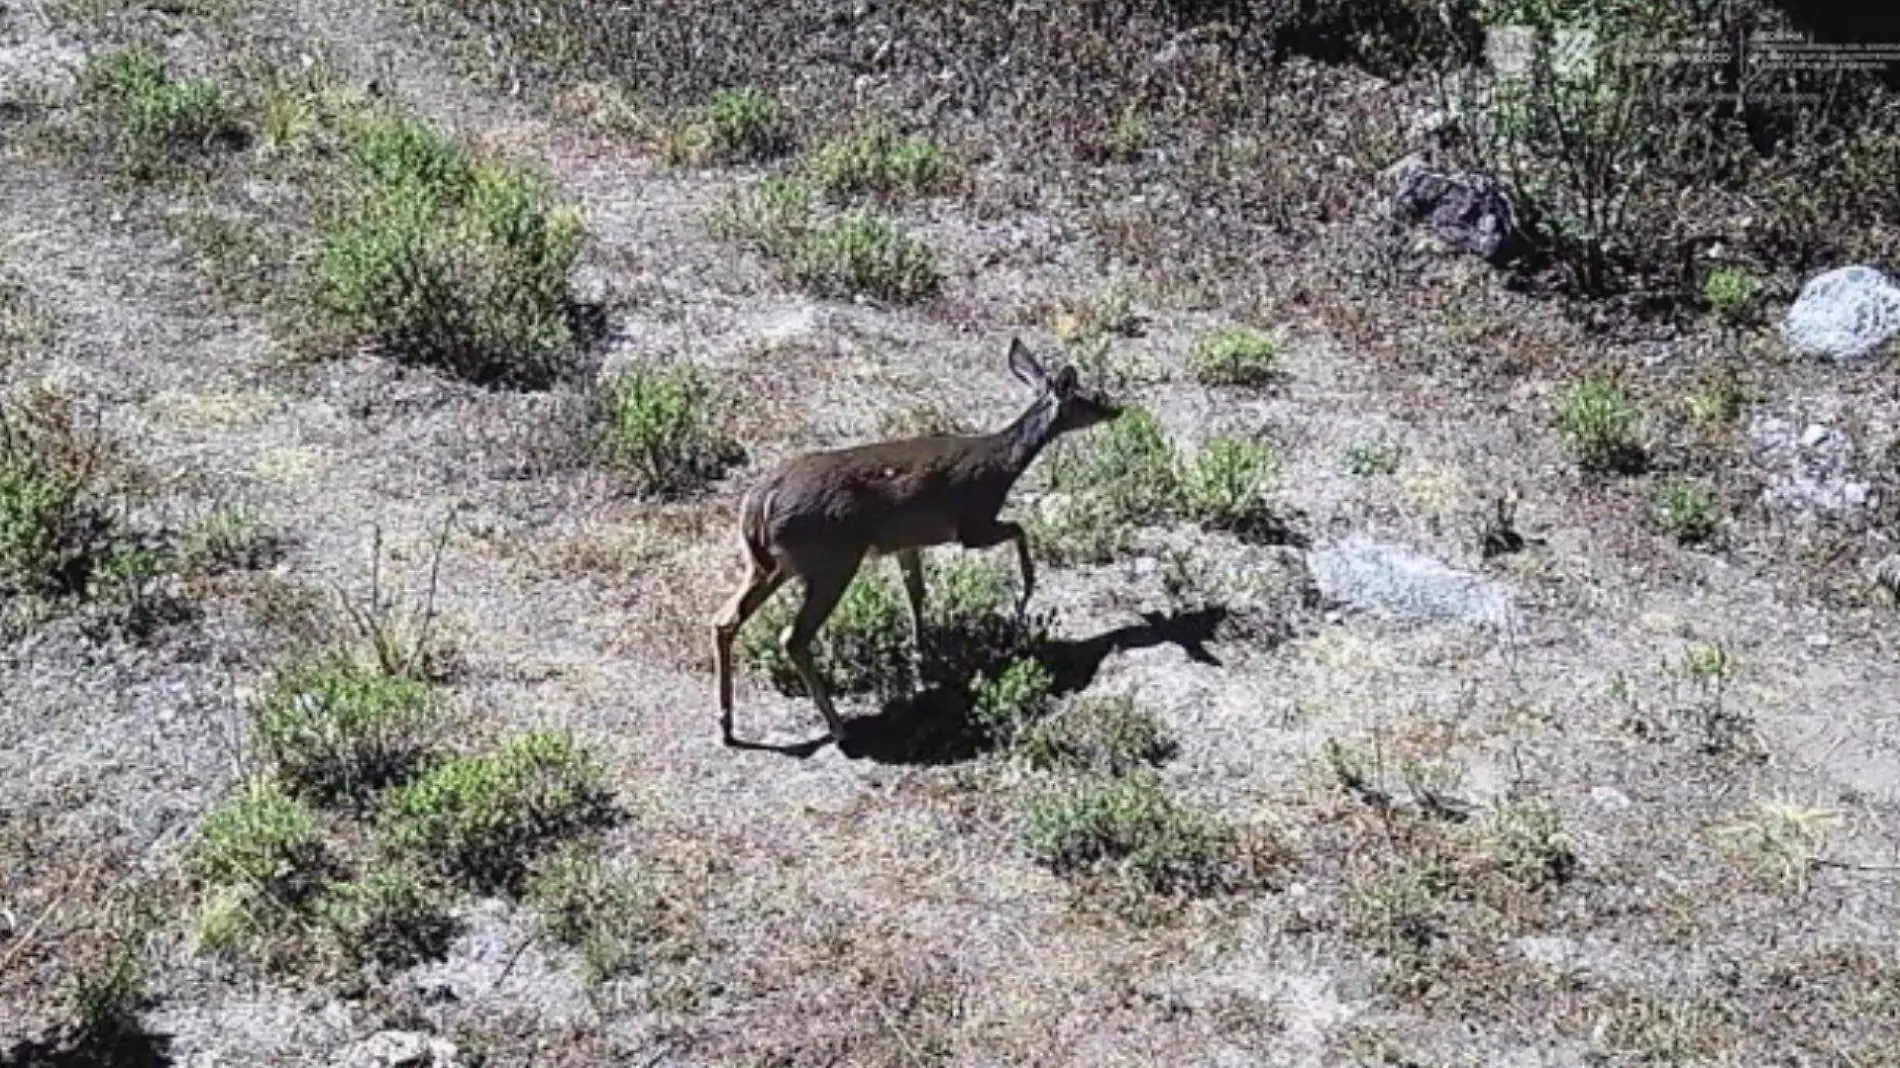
(824, 586)
(760, 584)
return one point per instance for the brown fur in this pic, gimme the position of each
(819, 515)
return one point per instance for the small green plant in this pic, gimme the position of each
(863, 253)
(1372, 458)
(337, 730)
(103, 1001)
(53, 526)
(156, 121)
(262, 842)
(1601, 427)
(661, 430)
(393, 917)
(1686, 510)
(1235, 357)
(1117, 478)
(1526, 841)
(227, 538)
(609, 918)
(1004, 707)
(483, 819)
(1721, 728)
(743, 125)
(1112, 736)
(1224, 486)
(858, 253)
(1129, 826)
(876, 161)
(1718, 401)
(1779, 839)
(446, 260)
(1731, 294)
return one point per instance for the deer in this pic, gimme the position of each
(819, 516)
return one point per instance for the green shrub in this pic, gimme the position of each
(1112, 736)
(53, 525)
(1014, 701)
(155, 121)
(862, 253)
(605, 916)
(1106, 483)
(1731, 293)
(661, 431)
(391, 917)
(1600, 427)
(1369, 459)
(483, 819)
(1224, 486)
(338, 730)
(445, 260)
(877, 162)
(1235, 357)
(858, 253)
(744, 125)
(261, 841)
(1686, 511)
(772, 216)
(1129, 826)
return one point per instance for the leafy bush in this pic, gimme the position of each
(155, 121)
(865, 253)
(262, 842)
(1112, 736)
(446, 260)
(484, 818)
(1223, 486)
(607, 917)
(1731, 293)
(1107, 482)
(391, 917)
(1004, 707)
(1234, 357)
(1600, 427)
(54, 528)
(1371, 458)
(876, 161)
(1686, 511)
(1129, 826)
(857, 253)
(743, 125)
(337, 730)
(660, 430)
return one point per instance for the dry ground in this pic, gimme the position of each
(857, 910)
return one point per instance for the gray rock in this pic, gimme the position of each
(1843, 313)
(1394, 582)
(1468, 212)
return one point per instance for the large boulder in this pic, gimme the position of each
(1843, 313)
(1468, 212)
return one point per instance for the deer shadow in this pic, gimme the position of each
(128, 1047)
(934, 726)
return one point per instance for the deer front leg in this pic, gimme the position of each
(911, 562)
(996, 533)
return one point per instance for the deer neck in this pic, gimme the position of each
(1023, 439)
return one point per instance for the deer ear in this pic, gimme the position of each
(1024, 366)
(1065, 379)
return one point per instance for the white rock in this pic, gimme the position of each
(1843, 313)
